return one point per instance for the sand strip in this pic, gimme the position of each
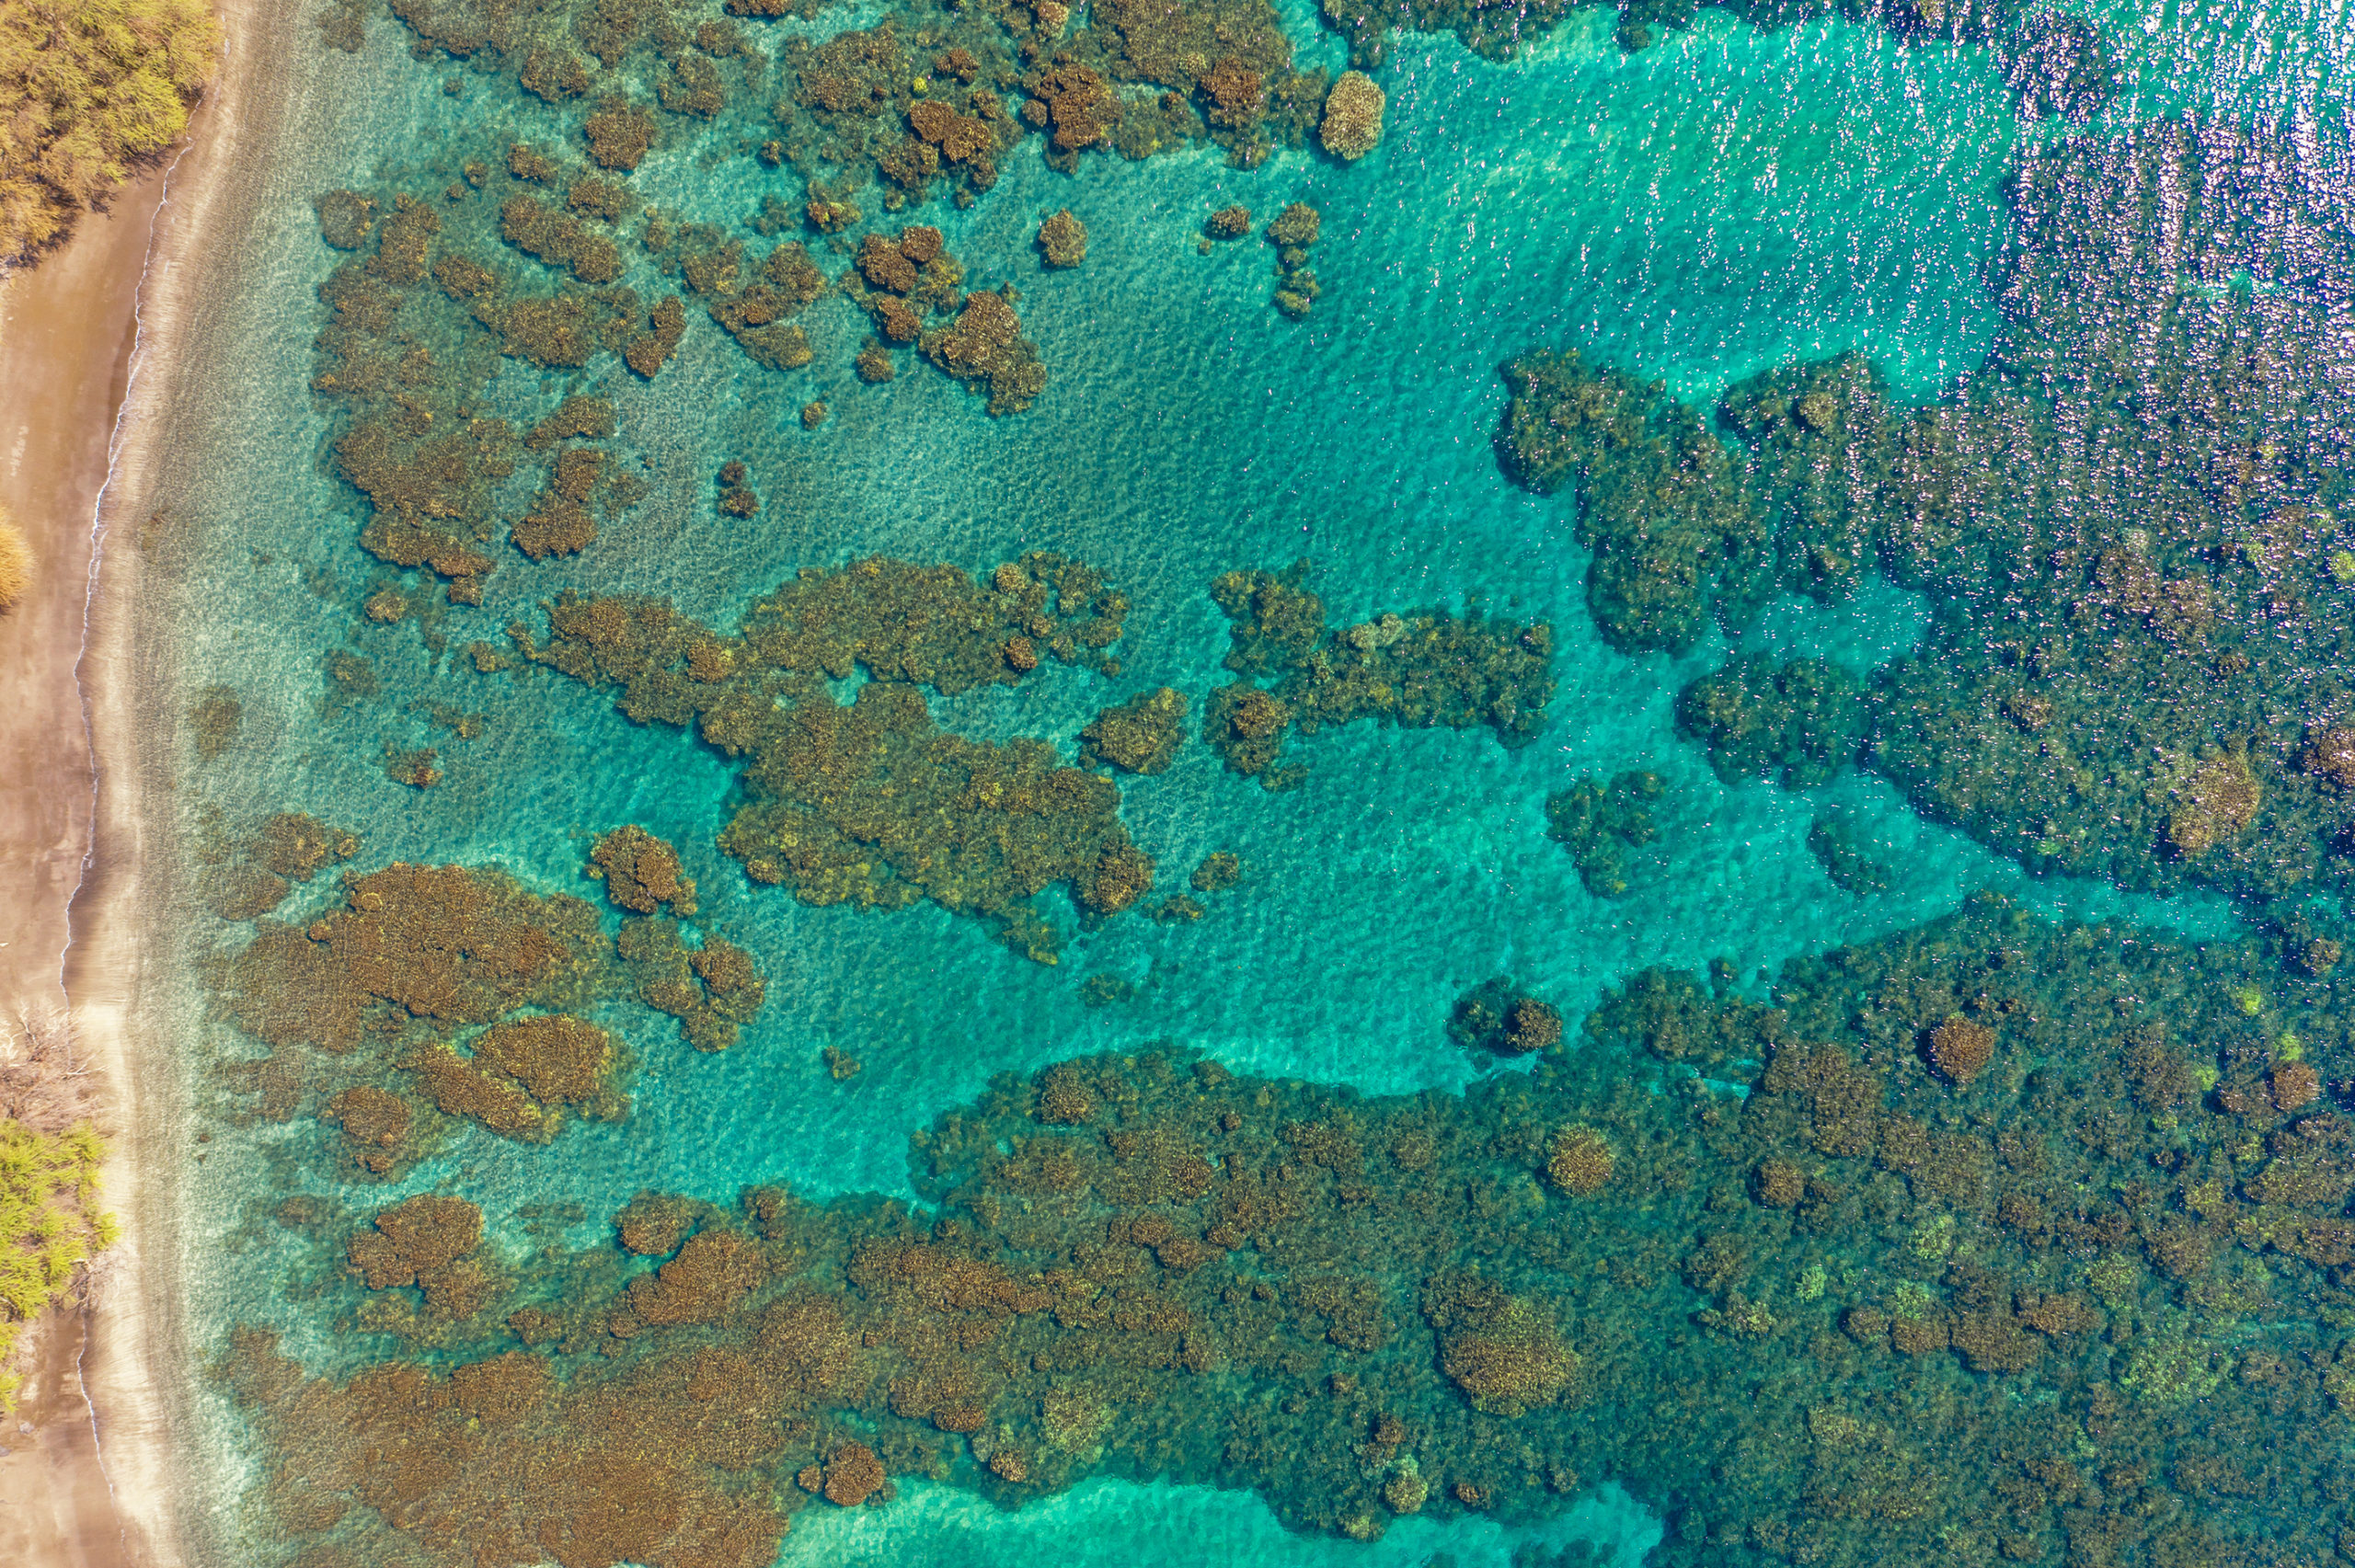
(88, 342)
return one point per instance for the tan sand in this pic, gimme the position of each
(87, 343)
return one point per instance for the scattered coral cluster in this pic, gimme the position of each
(419, 322)
(1425, 670)
(1598, 823)
(2142, 660)
(869, 802)
(1294, 230)
(1995, 1240)
(1797, 722)
(427, 995)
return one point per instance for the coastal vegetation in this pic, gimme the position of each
(50, 1225)
(16, 562)
(89, 90)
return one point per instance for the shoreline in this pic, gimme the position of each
(93, 349)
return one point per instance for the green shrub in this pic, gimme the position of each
(50, 1223)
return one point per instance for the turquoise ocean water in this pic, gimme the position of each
(1726, 202)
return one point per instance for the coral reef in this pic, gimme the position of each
(1140, 736)
(2127, 522)
(1960, 1049)
(1497, 1016)
(1218, 872)
(431, 995)
(754, 303)
(641, 872)
(244, 879)
(1295, 229)
(737, 497)
(1599, 822)
(983, 348)
(418, 327)
(1063, 240)
(1430, 669)
(1352, 125)
(1856, 1317)
(1849, 867)
(869, 803)
(1673, 528)
(214, 721)
(1799, 723)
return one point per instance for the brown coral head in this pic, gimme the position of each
(1258, 715)
(853, 1474)
(1582, 1161)
(1352, 125)
(1238, 95)
(1510, 1360)
(2330, 754)
(1531, 1025)
(2216, 806)
(1063, 1098)
(1960, 1048)
(2295, 1085)
(1778, 1184)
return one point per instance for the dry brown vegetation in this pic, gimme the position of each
(16, 562)
(87, 90)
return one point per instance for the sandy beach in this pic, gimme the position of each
(88, 341)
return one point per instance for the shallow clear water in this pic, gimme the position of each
(1725, 202)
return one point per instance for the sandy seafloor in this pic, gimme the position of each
(1724, 202)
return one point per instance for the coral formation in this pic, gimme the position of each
(1063, 240)
(246, 878)
(1219, 871)
(2127, 522)
(1960, 1049)
(431, 995)
(1140, 736)
(1352, 125)
(1295, 229)
(214, 721)
(1668, 516)
(869, 803)
(1228, 223)
(1799, 723)
(641, 872)
(1854, 1310)
(983, 348)
(1430, 669)
(1849, 867)
(1497, 1016)
(1599, 822)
